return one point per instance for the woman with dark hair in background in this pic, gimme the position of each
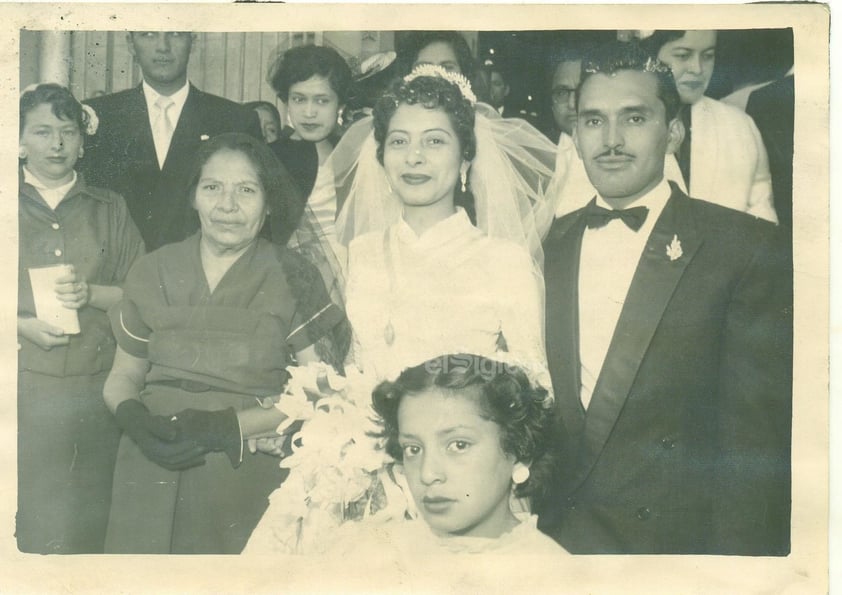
(206, 330)
(67, 439)
(447, 49)
(314, 83)
(722, 157)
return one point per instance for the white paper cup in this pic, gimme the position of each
(47, 305)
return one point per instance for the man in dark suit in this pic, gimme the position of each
(669, 343)
(148, 136)
(773, 109)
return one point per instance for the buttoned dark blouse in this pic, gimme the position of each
(92, 230)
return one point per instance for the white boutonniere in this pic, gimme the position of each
(674, 250)
(204, 137)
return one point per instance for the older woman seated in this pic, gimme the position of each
(205, 331)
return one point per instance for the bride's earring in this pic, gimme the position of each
(520, 473)
(81, 152)
(339, 119)
(464, 179)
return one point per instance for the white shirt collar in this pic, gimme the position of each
(52, 196)
(179, 98)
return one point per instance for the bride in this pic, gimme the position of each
(444, 247)
(442, 212)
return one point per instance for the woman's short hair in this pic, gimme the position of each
(61, 100)
(503, 394)
(283, 199)
(431, 92)
(302, 63)
(421, 39)
(659, 39)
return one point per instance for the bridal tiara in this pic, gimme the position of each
(455, 78)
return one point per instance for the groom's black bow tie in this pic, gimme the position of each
(599, 217)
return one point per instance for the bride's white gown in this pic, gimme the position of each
(451, 290)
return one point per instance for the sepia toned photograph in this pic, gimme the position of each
(436, 299)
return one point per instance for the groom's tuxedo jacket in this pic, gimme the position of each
(685, 445)
(121, 156)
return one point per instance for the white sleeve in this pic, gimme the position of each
(760, 200)
(522, 314)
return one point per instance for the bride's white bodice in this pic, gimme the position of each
(451, 290)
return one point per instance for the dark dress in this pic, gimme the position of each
(209, 350)
(301, 160)
(67, 438)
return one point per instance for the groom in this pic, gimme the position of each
(669, 339)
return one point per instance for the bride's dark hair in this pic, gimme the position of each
(504, 395)
(431, 92)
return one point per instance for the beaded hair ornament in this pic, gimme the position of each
(455, 78)
(652, 65)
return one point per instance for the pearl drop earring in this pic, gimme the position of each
(520, 473)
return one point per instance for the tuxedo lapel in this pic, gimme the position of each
(561, 256)
(657, 275)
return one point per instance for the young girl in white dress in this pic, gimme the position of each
(471, 433)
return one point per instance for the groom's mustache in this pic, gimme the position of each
(614, 153)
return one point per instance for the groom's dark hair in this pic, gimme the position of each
(616, 56)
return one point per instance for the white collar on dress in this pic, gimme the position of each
(52, 196)
(452, 226)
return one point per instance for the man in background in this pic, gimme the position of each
(148, 135)
(498, 87)
(565, 80)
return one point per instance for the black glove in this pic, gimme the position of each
(215, 431)
(158, 437)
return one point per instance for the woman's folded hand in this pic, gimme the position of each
(158, 437)
(72, 290)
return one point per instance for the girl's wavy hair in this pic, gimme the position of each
(60, 99)
(284, 200)
(504, 395)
